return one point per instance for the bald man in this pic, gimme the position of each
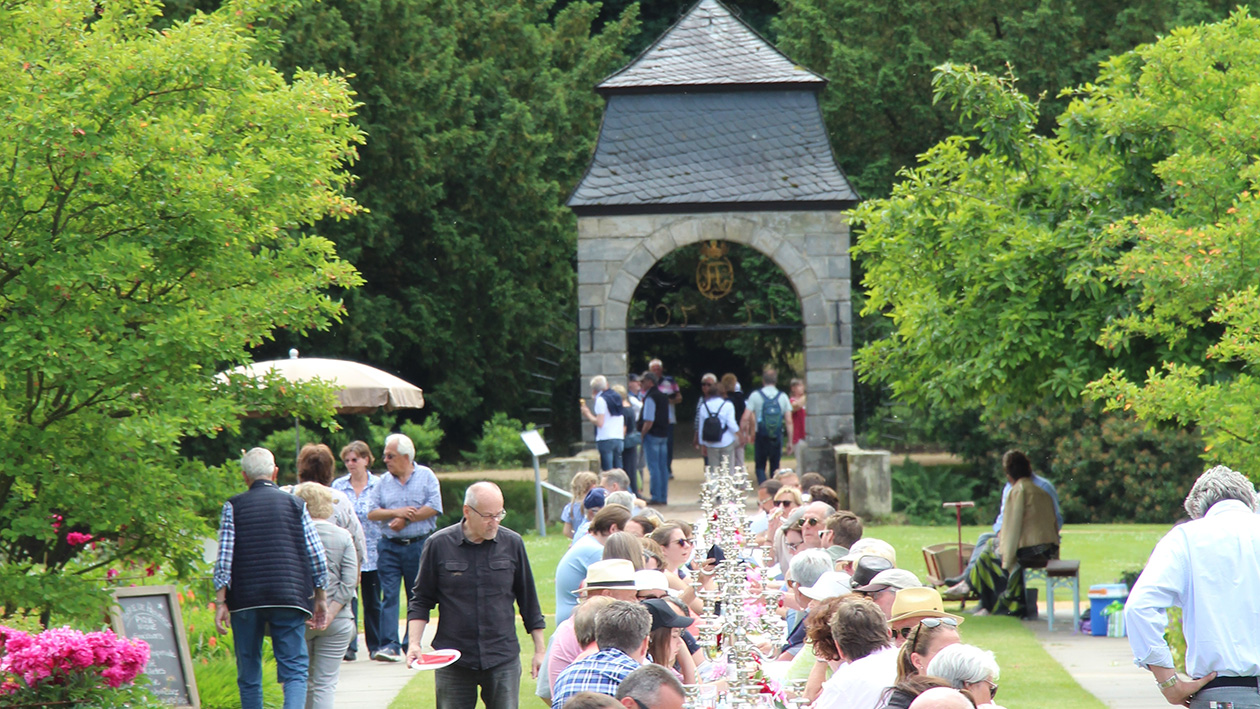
(473, 571)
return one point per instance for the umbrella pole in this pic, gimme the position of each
(297, 441)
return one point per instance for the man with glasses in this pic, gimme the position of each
(406, 503)
(816, 513)
(474, 571)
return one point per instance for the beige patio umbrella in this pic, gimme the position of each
(363, 389)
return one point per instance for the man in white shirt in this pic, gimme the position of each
(718, 412)
(860, 631)
(1210, 568)
(610, 423)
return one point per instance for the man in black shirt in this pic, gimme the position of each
(474, 571)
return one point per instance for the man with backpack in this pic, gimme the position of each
(717, 429)
(768, 412)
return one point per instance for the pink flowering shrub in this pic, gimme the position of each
(70, 668)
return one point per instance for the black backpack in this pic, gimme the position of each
(712, 428)
(613, 400)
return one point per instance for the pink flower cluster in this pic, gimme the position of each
(77, 538)
(58, 655)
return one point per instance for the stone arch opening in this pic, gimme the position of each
(810, 247)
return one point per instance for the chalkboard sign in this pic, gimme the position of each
(151, 614)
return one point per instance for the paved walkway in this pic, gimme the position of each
(1103, 666)
(365, 684)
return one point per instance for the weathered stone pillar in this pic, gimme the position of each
(867, 481)
(560, 472)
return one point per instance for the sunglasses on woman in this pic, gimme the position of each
(782, 503)
(928, 623)
(684, 542)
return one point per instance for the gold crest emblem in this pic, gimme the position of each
(715, 276)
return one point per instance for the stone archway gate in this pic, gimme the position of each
(615, 252)
(712, 134)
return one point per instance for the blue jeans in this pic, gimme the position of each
(396, 565)
(370, 595)
(767, 449)
(610, 453)
(288, 644)
(1239, 697)
(456, 687)
(656, 451)
(630, 462)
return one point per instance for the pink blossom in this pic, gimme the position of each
(111, 573)
(57, 655)
(78, 538)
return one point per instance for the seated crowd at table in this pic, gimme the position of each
(861, 633)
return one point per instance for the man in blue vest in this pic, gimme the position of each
(270, 573)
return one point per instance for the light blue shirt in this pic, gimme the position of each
(421, 490)
(371, 530)
(571, 571)
(1044, 485)
(1210, 568)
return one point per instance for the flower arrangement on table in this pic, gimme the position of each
(745, 600)
(66, 668)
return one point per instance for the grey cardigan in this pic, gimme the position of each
(343, 564)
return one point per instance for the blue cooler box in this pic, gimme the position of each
(1100, 596)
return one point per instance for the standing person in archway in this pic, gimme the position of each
(737, 397)
(797, 398)
(669, 387)
(609, 420)
(656, 434)
(768, 413)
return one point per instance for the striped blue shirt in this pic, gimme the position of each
(421, 490)
(601, 673)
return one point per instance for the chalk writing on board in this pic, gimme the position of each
(149, 618)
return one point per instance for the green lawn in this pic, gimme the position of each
(1031, 679)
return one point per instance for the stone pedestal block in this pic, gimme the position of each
(864, 481)
(560, 472)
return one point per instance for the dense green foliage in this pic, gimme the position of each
(480, 117)
(500, 445)
(1106, 467)
(155, 187)
(1015, 267)
(518, 499)
(880, 105)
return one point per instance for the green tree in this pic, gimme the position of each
(1118, 251)
(879, 106)
(155, 185)
(480, 117)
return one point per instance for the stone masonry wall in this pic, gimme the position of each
(812, 248)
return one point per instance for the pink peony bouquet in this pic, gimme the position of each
(66, 666)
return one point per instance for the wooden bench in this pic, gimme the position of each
(1058, 572)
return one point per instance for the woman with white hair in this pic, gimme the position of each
(970, 668)
(327, 647)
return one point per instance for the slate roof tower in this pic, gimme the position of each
(711, 114)
(712, 134)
